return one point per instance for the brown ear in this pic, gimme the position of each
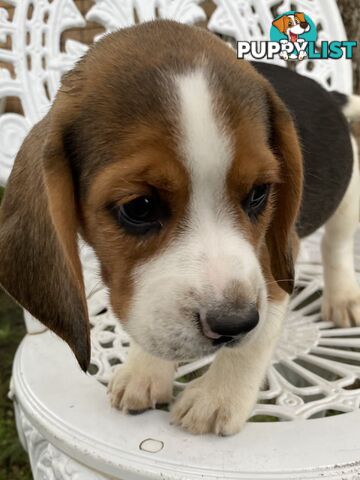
(280, 23)
(300, 16)
(281, 236)
(40, 266)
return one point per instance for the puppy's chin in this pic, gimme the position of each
(178, 346)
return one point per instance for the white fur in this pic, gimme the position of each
(223, 398)
(352, 109)
(207, 152)
(142, 382)
(341, 290)
(198, 267)
(206, 147)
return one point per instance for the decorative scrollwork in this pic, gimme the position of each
(47, 461)
(113, 15)
(13, 128)
(36, 62)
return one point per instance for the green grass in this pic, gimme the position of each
(14, 463)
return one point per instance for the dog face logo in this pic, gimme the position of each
(292, 25)
(293, 30)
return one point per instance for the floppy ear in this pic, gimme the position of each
(280, 24)
(40, 265)
(281, 236)
(300, 16)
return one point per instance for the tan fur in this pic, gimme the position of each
(280, 237)
(281, 167)
(134, 176)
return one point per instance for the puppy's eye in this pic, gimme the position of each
(256, 200)
(141, 215)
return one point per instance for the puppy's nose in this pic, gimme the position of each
(233, 323)
(223, 326)
(304, 25)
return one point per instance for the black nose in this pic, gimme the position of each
(304, 25)
(233, 323)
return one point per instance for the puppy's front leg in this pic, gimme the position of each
(223, 398)
(143, 382)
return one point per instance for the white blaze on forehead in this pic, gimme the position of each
(214, 235)
(204, 145)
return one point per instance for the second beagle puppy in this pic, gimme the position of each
(184, 170)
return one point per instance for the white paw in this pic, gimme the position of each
(302, 55)
(284, 55)
(135, 390)
(343, 308)
(202, 408)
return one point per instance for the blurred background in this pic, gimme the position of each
(13, 460)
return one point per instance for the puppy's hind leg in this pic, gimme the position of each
(341, 302)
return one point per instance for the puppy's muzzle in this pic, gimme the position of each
(228, 326)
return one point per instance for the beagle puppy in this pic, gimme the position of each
(292, 25)
(192, 175)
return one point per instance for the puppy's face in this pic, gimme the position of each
(179, 222)
(186, 180)
(294, 25)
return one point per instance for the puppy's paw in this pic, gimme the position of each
(343, 308)
(203, 408)
(135, 391)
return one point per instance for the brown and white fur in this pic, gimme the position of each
(200, 129)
